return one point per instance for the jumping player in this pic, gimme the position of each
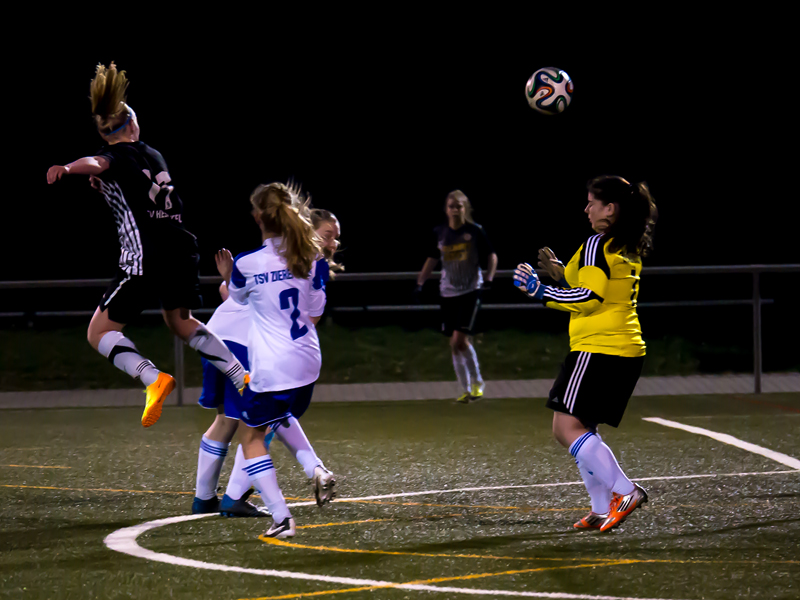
(158, 258)
(606, 347)
(277, 282)
(462, 246)
(231, 322)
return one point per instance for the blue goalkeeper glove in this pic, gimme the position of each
(526, 279)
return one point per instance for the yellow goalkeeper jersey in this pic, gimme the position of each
(602, 297)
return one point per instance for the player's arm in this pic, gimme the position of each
(587, 297)
(88, 165)
(317, 298)
(427, 269)
(492, 267)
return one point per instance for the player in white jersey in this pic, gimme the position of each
(277, 282)
(231, 322)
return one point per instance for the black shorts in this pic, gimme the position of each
(174, 286)
(594, 387)
(460, 312)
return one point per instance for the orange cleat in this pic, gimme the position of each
(156, 392)
(244, 384)
(591, 521)
(622, 506)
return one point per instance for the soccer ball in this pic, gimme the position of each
(549, 91)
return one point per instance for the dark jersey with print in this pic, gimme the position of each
(147, 209)
(462, 252)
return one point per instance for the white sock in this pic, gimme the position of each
(462, 374)
(263, 477)
(123, 354)
(214, 350)
(209, 463)
(471, 360)
(598, 492)
(600, 462)
(239, 481)
(294, 438)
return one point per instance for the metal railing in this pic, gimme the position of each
(756, 301)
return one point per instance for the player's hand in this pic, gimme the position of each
(55, 173)
(526, 279)
(94, 181)
(415, 295)
(487, 285)
(549, 263)
(224, 260)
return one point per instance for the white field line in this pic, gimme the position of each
(778, 457)
(124, 541)
(536, 485)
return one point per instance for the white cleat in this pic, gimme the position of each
(284, 529)
(323, 482)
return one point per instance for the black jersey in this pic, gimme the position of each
(462, 251)
(147, 209)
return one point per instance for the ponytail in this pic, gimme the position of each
(284, 210)
(632, 231)
(108, 93)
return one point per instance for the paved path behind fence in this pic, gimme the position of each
(358, 392)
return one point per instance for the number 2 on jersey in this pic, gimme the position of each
(293, 295)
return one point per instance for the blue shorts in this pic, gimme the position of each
(218, 389)
(270, 407)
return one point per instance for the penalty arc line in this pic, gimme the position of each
(778, 457)
(124, 541)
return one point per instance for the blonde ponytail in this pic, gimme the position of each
(108, 93)
(284, 210)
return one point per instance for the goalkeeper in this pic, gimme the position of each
(599, 287)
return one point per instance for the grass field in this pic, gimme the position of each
(722, 522)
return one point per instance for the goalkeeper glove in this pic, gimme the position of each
(526, 279)
(554, 267)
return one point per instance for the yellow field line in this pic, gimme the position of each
(438, 580)
(342, 523)
(34, 467)
(276, 542)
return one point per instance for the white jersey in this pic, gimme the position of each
(283, 347)
(231, 321)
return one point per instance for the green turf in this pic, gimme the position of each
(53, 359)
(711, 538)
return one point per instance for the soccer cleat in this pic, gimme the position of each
(323, 482)
(477, 391)
(591, 521)
(244, 384)
(241, 507)
(204, 507)
(156, 392)
(464, 398)
(622, 506)
(282, 530)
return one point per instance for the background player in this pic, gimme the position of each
(159, 257)
(277, 282)
(462, 246)
(606, 347)
(231, 322)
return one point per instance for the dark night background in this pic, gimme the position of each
(379, 123)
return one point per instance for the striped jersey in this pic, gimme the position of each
(147, 210)
(602, 298)
(461, 251)
(282, 343)
(231, 320)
